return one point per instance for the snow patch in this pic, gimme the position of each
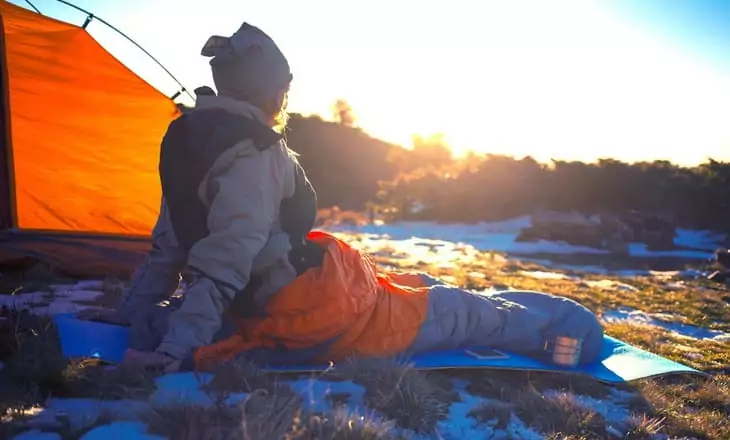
(614, 410)
(459, 425)
(621, 273)
(36, 434)
(666, 321)
(80, 413)
(641, 250)
(610, 285)
(413, 251)
(502, 237)
(699, 239)
(186, 389)
(119, 430)
(542, 275)
(62, 298)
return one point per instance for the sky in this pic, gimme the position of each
(563, 79)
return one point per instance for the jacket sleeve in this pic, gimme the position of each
(243, 206)
(159, 276)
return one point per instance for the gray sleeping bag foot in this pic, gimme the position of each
(517, 321)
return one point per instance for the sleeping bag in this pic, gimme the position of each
(347, 307)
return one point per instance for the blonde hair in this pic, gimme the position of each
(281, 117)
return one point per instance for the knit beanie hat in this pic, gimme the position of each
(248, 65)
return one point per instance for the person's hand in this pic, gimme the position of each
(106, 316)
(151, 360)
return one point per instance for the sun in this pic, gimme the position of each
(567, 81)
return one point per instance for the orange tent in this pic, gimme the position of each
(78, 169)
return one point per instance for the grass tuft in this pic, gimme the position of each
(493, 411)
(262, 415)
(112, 383)
(112, 291)
(558, 413)
(644, 428)
(32, 353)
(195, 423)
(239, 376)
(397, 391)
(343, 426)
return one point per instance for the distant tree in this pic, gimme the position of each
(428, 152)
(343, 163)
(432, 150)
(343, 113)
(352, 170)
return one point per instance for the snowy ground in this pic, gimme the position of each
(440, 247)
(667, 321)
(502, 237)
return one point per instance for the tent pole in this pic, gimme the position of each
(37, 11)
(90, 16)
(88, 20)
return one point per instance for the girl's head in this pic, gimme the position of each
(248, 66)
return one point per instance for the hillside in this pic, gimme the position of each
(353, 170)
(343, 163)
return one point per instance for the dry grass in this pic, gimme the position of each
(542, 400)
(559, 414)
(413, 399)
(684, 407)
(217, 422)
(35, 278)
(680, 407)
(694, 408)
(265, 417)
(495, 411)
(35, 369)
(271, 411)
(112, 291)
(32, 356)
(239, 376)
(342, 426)
(192, 422)
(111, 383)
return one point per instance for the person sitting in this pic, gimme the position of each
(236, 219)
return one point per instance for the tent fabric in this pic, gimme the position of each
(80, 147)
(6, 215)
(84, 129)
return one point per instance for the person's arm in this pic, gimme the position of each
(159, 276)
(243, 207)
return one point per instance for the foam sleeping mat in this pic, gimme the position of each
(619, 362)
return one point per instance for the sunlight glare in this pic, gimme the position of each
(564, 80)
(559, 79)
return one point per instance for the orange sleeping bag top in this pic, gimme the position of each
(339, 309)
